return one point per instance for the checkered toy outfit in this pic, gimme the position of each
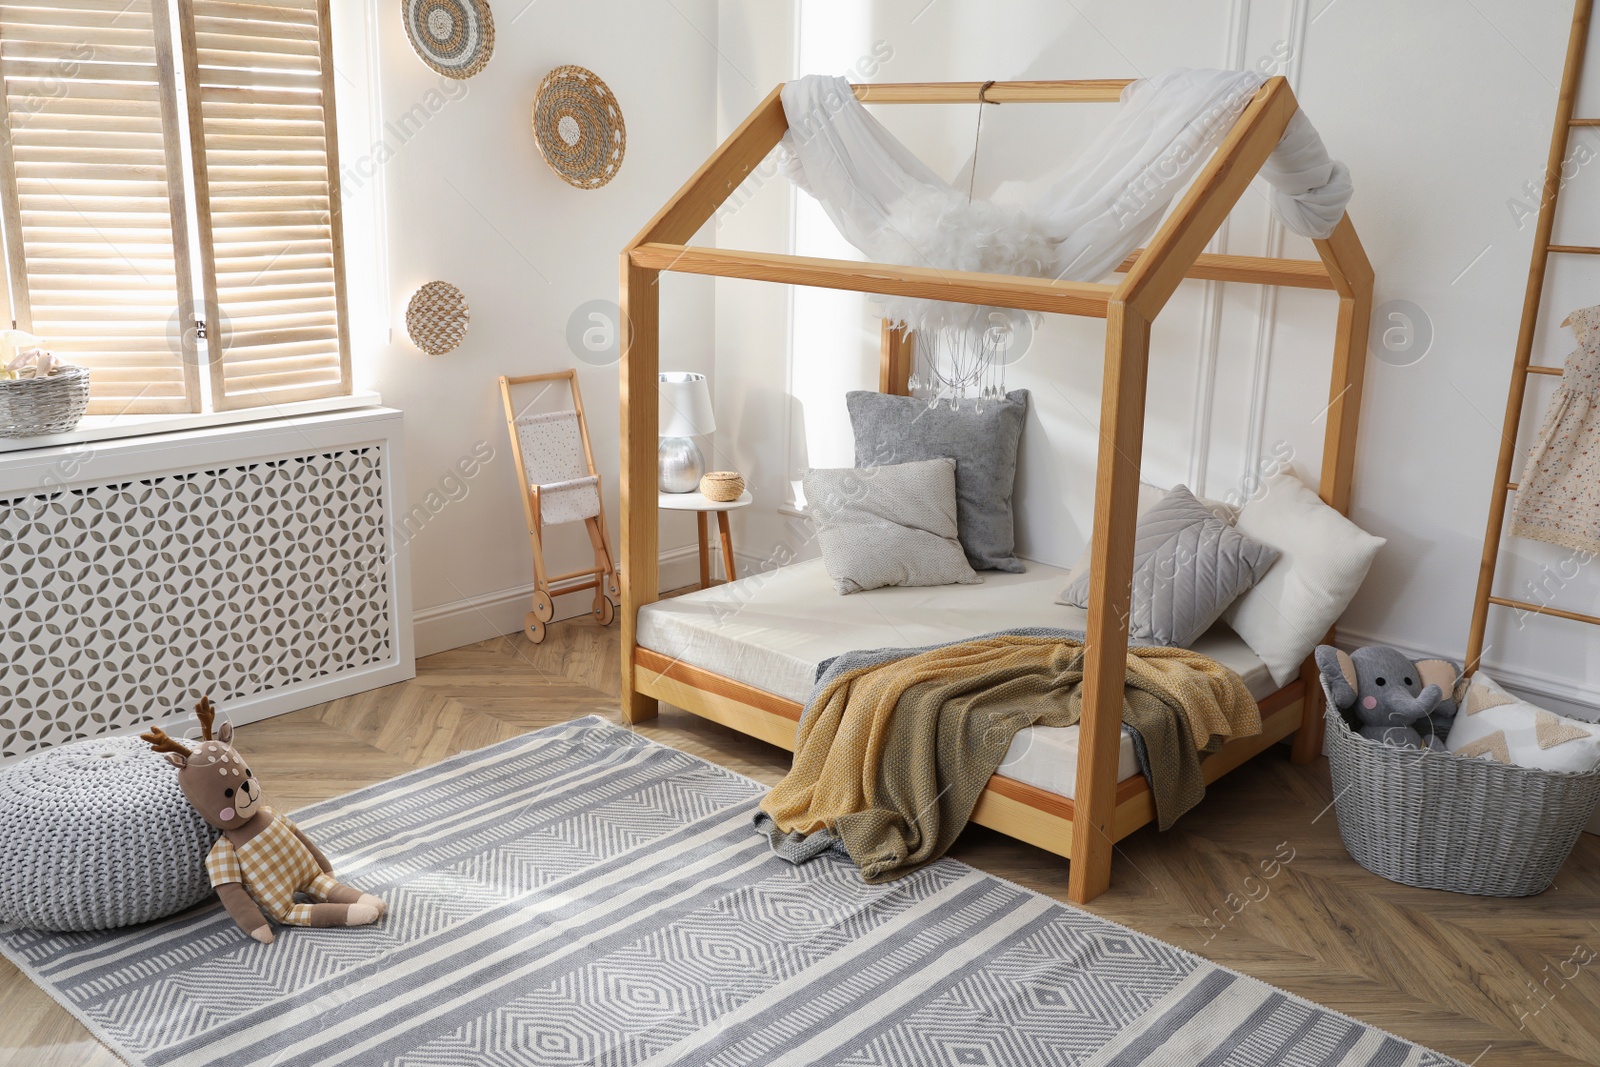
(273, 866)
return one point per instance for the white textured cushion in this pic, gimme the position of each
(1325, 559)
(893, 525)
(1493, 724)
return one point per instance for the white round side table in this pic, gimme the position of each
(702, 506)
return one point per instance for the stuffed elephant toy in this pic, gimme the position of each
(1390, 697)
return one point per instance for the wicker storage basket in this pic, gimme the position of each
(1441, 821)
(52, 404)
(722, 486)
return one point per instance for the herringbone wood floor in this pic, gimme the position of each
(1488, 981)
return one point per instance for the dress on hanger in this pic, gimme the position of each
(1558, 499)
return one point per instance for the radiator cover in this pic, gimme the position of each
(271, 582)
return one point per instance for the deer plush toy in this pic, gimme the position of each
(262, 859)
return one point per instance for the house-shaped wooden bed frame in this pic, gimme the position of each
(1104, 811)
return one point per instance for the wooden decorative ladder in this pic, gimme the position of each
(1522, 368)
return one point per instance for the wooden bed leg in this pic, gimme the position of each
(641, 580)
(1116, 505)
(637, 708)
(1307, 743)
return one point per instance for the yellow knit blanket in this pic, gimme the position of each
(892, 757)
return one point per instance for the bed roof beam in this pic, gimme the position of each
(1256, 270)
(1097, 90)
(928, 283)
(1176, 247)
(1088, 298)
(710, 186)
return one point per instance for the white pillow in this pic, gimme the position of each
(1149, 497)
(1325, 558)
(1493, 724)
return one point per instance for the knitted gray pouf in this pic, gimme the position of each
(95, 835)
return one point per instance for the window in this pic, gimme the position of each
(169, 198)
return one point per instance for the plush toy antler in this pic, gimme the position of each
(177, 752)
(206, 712)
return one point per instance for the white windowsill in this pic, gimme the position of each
(108, 427)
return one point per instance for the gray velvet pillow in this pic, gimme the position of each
(902, 429)
(892, 525)
(1188, 566)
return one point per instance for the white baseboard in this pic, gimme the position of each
(478, 618)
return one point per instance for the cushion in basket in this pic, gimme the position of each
(903, 429)
(1325, 559)
(1188, 565)
(893, 525)
(1493, 724)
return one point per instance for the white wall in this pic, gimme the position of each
(458, 191)
(1442, 110)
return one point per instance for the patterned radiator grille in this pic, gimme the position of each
(120, 604)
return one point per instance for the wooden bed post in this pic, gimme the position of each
(1116, 506)
(641, 559)
(677, 221)
(1352, 276)
(1149, 284)
(894, 360)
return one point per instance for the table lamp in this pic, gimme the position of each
(685, 412)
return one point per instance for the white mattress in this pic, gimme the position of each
(771, 630)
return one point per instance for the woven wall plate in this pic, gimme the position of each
(437, 318)
(454, 37)
(579, 127)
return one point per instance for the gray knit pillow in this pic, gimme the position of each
(97, 834)
(981, 438)
(892, 525)
(1188, 566)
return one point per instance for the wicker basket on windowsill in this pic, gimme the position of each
(51, 404)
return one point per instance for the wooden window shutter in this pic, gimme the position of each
(259, 79)
(91, 193)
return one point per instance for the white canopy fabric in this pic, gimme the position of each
(892, 207)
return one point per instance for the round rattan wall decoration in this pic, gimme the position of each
(454, 37)
(437, 318)
(579, 127)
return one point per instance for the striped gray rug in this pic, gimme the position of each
(584, 896)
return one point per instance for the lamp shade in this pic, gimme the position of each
(685, 405)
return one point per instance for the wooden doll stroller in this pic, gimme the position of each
(555, 467)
